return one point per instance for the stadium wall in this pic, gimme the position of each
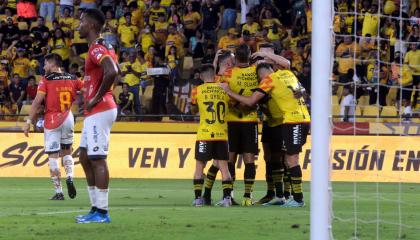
(353, 158)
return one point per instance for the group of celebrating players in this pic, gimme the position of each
(234, 88)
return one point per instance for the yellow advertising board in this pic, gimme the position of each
(171, 156)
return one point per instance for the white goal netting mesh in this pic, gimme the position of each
(375, 101)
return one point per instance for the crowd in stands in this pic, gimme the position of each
(372, 48)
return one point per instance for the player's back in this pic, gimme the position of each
(243, 81)
(60, 91)
(94, 74)
(212, 103)
(282, 97)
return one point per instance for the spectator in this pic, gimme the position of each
(176, 39)
(137, 15)
(25, 41)
(66, 21)
(60, 44)
(47, 9)
(127, 34)
(229, 42)
(249, 40)
(229, 14)
(9, 32)
(21, 65)
(79, 46)
(345, 54)
(146, 38)
(153, 12)
(39, 50)
(31, 90)
(143, 73)
(211, 20)
(191, 21)
(251, 26)
(110, 29)
(66, 4)
(371, 21)
(4, 95)
(150, 55)
(131, 72)
(8, 109)
(108, 5)
(305, 77)
(348, 105)
(40, 29)
(160, 90)
(17, 91)
(125, 101)
(412, 59)
(161, 29)
(209, 56)
(4, 74)
(197, 45)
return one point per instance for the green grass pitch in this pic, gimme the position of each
(160, 209)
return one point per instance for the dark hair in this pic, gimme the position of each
(96, 15)
(54, 57)
(41, 17)
(242, 53)
(263, 65)
(63, 37)
(127, 14)
(133, 4)
(267, 45)
(249, 15)
(75, 65)
(207, 68)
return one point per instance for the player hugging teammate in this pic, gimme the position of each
(284, 132)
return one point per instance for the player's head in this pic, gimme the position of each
(207, 73)
(263, 70)
(92, 20)
(225, 60)
(242, 54)
(52, 63)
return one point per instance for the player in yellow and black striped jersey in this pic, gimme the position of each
(280, 86)
(212, 103)
(243, 122)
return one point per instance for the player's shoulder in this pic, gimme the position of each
(60, 76)
(100, 44)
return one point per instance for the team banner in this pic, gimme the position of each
(358, 158)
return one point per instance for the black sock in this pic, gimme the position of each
(198, 186)
(93, 209)
(249, 178)
(227, 188)
(296, 179)
(269, 179)
(102, 211)
(232, 171)
(278, 182)
(287, 184)
(211, 176)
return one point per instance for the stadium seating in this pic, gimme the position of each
(370, 114)
(24, 111)
(390, 111)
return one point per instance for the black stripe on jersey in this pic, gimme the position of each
(60, 76)
(261, 91)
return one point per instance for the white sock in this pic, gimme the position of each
(92, 195)
(102, 199)
(68, 163)
(55, 174)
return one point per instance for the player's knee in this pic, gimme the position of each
(292, 160)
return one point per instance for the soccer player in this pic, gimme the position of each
(101, 71)
(280, 86)
(212, 103)
(59, 90)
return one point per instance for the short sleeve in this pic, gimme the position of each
(266, 85)
(98, 53)
(42, 86)
(194, 96)
(79, 84)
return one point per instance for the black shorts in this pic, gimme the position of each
(243, 137)
(208, 150)
(294, 136)
(273, 137)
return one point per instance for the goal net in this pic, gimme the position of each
(375, 145)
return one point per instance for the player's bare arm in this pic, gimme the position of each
(276, 59)
(250, 101)
(36, 104)
(111, 72)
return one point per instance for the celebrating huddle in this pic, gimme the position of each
(228, 102)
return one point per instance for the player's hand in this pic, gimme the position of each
(259, 54)
(91, 104)
(26, 128)
(225, 86)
